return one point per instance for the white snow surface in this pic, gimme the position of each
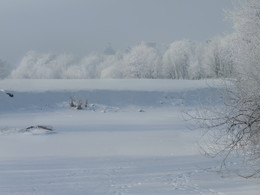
(131, 139)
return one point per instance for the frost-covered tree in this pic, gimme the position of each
(198, 68)
(43, 66)
(86, 68)
(236, 128)
(227, 66)
(112, 67)
(215, 60)
(246, 19)
(176, 60)
(219, 57)
(141, 61)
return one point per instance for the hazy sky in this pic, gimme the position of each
(82, 26)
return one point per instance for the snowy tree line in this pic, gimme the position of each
(183, 59)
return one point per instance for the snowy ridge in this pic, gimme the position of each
(43, 95)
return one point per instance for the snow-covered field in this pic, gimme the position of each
(131, 139)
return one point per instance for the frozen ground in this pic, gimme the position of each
(131, 139)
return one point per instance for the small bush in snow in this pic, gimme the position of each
(72, 104)
(78, 104)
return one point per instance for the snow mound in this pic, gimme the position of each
(32, 130)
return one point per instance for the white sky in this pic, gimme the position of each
(83, 26)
